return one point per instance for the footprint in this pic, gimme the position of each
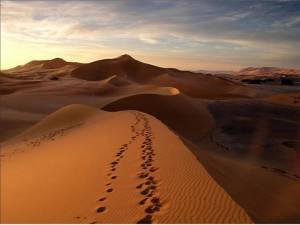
(152, 209)
(150, 182)
(102, 199)
(139, 186)
(113, 177)
(145, 192)
(152, 169)
(109, 190)
(297, 176)
(101, 209)
(155, 200)
(142, 202)
(153, 187)
(143, 175)
(150, 178)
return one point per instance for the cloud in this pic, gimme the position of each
(287, 23)
(241, 30)
(147, 39)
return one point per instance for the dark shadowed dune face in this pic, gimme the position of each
(259, 131)
(124, 65)
(54, 63)
(194, 123)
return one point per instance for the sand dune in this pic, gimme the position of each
(291, 99)
(253, 185)
(118, 81)
(118, 170)
(124, 66)
(195, 121)
(10, 84)
(125, 70)
(192, 84)
(200, 86)
(43, 64)
(68, 116)
(42, 69)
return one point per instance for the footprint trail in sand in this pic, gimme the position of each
(148, 186)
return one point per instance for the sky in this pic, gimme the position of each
(189, 34)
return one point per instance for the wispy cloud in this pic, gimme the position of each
(238, 32)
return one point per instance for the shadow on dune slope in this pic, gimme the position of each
(177, 112)
(259, 131)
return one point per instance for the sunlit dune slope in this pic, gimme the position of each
(91, 166)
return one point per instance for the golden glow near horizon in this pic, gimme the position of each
(185, 35)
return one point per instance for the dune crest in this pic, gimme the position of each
(69, 115)
(195, 121)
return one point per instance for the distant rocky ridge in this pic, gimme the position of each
(268, 71)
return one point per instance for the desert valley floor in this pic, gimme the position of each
(121, 141)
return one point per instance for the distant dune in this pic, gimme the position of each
(124, 66)
(44, 64)
(56, 66)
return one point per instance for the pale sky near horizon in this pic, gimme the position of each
(190, 34)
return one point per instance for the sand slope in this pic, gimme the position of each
(108, 168)
(291, 99)
(195, 121)
(200, 85)
(124, 66)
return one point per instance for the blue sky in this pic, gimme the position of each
(190, 34)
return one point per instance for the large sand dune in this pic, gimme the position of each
(108, 168)
(124, 66)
